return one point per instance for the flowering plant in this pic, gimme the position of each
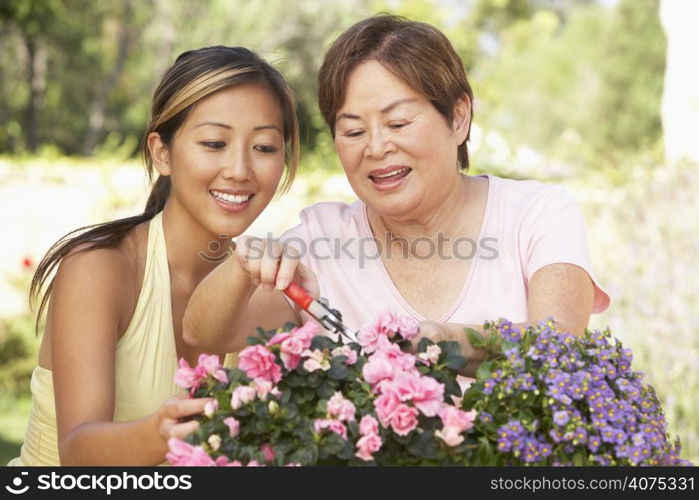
(551, 398)
(301, 398)
(544, 397)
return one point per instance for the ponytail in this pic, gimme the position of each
(105, 235)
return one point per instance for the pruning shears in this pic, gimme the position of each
(320, 310)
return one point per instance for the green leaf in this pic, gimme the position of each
(423, 344)
(475, 338)
(255, 341)
(484, 370)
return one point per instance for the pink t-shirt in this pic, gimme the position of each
(527, 226)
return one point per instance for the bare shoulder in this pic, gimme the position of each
(111, 275)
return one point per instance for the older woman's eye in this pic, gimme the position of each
(397, 125)
(353, 133)
(266, 149)
(213, 144)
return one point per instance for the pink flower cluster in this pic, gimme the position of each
(259, 362)
(454, 422)
(370, 442)
(339, 410)
(190, 378)
(386, 326)
(184, 454)
(403, 392)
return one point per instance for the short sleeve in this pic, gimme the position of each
(552, 232)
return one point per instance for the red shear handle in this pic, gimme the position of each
(298, 295)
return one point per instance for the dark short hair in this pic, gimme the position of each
(417, 53)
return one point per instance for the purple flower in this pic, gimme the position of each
(560, 418)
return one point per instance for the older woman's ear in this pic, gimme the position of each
(462, 119)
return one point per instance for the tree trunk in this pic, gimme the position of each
(680, 105)
(98, 107)
(36, 79)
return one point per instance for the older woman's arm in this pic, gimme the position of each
(564, 292)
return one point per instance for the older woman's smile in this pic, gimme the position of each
(390, 177)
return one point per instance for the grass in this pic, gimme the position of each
(14, 414)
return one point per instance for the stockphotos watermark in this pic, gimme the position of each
(362, 250)
(107, 483)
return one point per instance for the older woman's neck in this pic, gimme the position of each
(450, 216)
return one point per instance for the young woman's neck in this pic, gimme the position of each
(192, 250)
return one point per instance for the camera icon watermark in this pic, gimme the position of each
(16, 488)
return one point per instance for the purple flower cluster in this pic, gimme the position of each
(561, 399)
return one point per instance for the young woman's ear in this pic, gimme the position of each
(159, 152)
(462, 119)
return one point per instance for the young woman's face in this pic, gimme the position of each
(227, 159)
(397, 150)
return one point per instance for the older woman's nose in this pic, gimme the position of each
(378, 145)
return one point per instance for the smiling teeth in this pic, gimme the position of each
(230, 198)
(390, 174)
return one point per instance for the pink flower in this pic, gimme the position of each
(184, 454)
(212, 366)
(408, 327)
(346, 350)
(459, 419)
(242, 395)
(368, 338)
(368, 445)
(368, 425)
(341, 408)
(186, 376)
(257, 362)
(268, 452)
(291, 350)
(450, 435)
(233, 426)
(210, 408)
(386, 405)
(263, 387)
(332, 425)
(404, 419)
(388, 323)
(400, 359)
(378, 368)
(306, 332)
(279, 338)
(425, 392)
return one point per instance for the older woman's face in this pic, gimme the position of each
(398, 152)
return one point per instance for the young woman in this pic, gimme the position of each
(223, 127)
(424, 238)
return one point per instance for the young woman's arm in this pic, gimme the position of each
(86, 314)
(243, 293)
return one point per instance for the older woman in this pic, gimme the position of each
(424, 238)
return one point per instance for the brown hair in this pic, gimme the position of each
(417, 53)
(195, 75)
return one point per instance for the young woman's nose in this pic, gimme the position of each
(237, 166)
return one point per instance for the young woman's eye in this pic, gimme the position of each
(266, 149)
(213, 144)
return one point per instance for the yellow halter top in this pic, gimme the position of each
(146, 361)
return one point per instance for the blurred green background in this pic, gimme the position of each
(597, 95)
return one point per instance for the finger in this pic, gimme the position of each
(180, 408)
(183, 430)
(270, 264)
(287, 267)
(253, 257)
(308, 280)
